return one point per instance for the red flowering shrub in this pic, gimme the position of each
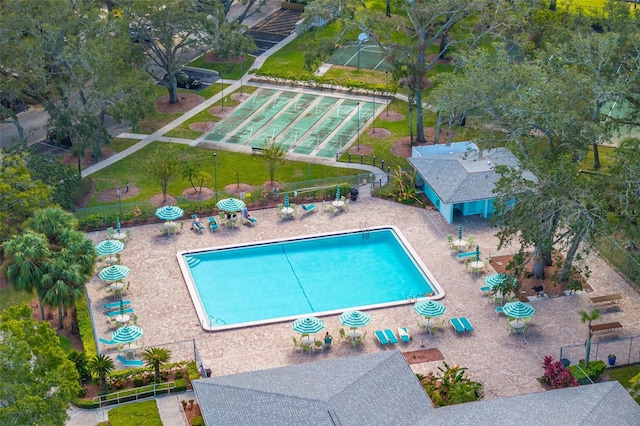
(556, 376)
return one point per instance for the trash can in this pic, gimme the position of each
(354, 193)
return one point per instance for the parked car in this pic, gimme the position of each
(59, 139)
(185, 80)
(139, 30)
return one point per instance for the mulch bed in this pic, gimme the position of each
(362, 150)
(390, 116)
(378, 132)
(425, 355)
(186, 102)
(197, 194)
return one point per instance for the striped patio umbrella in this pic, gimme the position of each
(286, 202)
(518, 310)
(230, 205)
(429, 308)
(460, 231)
(114, 273)
(495, 279)
(307, 325)
(354, 319)
(477, 253)
(128, 334)
(169, 213)
(109, 247)
(118, 224)
(338, 193)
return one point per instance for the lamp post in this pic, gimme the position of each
(222, 92)
(386, 74)
(362, 37)
(241, 61)
(373, 112)
(358, 127)
(119, 199)
(215, 176)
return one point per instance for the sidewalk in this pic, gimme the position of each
(169, 406)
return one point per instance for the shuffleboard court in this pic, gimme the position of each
(303, 123)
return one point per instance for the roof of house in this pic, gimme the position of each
(459, 177)
(381, 389)
(375, 388)
(598, 404)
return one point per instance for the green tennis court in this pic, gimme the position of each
(302, 123)
(366, 55)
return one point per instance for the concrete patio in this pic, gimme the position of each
(507, 364)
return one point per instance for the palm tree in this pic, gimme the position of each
(53, 223)
(64, 285)
(155, 357)
(26, 256)
(588, 317)
(102, 366)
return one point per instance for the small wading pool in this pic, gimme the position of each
(280, 280)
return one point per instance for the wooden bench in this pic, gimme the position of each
(608, 299)
(255, 150)
(606, 329)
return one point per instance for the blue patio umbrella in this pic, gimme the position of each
(126, 335)
(337, 193)
(429, 308)
(495, 279)
(118, 224)
(230, 205)
(169, 213)
(114, 273)
(460, 231)
(307, 325)
(354, 319)
(518, 310)
(109, 247)
(286, 202)
(477, 253)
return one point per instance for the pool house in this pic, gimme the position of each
(458, 178)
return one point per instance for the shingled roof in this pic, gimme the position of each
(369, 389)
(462, 177)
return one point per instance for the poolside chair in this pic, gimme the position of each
(499, 310)
(358, 342)
(296, 344)
(466, 324)
(343, 334)
(308, 208)
(213, 225)
(106, 342)
(470, 242)
(381, 337)
(346, 204)
(485, 290)
(319, 345)
(128, 235)
(114, 305)
(116, 313)
(248, 219)
(110, 233)
(404, 334)
(130, 362)
(457, 325)
(391, 336)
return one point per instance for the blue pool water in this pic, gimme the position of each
(279, 280)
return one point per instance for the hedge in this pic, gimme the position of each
(85, 326)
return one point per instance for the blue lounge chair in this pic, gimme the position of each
(382, 339)
(213, 225)
(404, 334)
(391, 336)
(499, 310)
(130, 362)
(116, 304)
(466, 324)
(106, 342)
(455, 322)
(308, 208)
(485, 290)
(117, 312)
(466, 255)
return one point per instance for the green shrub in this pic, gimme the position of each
(138, 380)
(85, 326)
(594, 371)
(197, 421)
(192, 370)
(181, 385)
(85, 404)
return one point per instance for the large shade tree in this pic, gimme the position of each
(169, 31)
(68, 58)
(37, 381)
(414, 38)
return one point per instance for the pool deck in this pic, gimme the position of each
(506, 364)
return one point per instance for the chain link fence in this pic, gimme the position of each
(625, 349)
(141, 212)
(620, 258)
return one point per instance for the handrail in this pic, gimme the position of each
(215, 320)
(129, 393)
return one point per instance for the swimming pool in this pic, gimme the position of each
(280, 280)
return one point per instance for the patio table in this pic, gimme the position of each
(123, 319)
(459, 244)
(337, 203)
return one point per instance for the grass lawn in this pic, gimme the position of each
(231, 167)
(232, 71)
(624, 376)
(138, 413)
(11, 297)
